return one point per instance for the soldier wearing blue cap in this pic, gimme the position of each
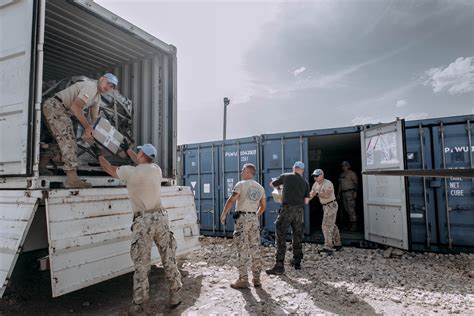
(70, 102)
(324, 190)
(150, 224)
(294, 196)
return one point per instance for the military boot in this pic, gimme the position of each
(277, 269)
(175, 299)
(256, 281)
(73, 181)
(240, 284)
(136, 309)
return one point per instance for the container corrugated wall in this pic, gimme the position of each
(441, 211)
(279, 154)
(212, 173)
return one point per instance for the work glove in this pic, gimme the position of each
(96, 150)
(125, 145)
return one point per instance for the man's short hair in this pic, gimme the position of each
(250, 166)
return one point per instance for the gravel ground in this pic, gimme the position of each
(350, 282)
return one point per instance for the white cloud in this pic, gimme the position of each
(298, 71)
(456, 78)
(367, 119)
(416, 116)
(401, 103)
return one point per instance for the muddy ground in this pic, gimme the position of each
(350, 282)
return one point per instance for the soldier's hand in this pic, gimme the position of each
(125, 145)
(88, 135)
(223, 218)
(96, 150)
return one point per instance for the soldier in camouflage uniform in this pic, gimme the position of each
(348, 191)
(324, 190)
(294, 196)
(251, 203)
(58, 112)
(150, 224)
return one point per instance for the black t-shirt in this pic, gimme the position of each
(295, 188)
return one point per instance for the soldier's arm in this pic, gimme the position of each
(356, 181)
(94, 113)
(262, 207)
(326, 193)
(107, 167)
(228, 205)
(77, 109)
(132, 155)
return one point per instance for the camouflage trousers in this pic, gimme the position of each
(349, 205)
(330, 230)
(247, 242)
(146, 229)
(59, 123)
(289, 215)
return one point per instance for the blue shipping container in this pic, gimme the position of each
(440, 212)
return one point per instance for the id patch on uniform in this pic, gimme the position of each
(107, 135)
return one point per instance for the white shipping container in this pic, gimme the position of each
(87, 231)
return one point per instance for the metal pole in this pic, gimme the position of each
(471, 160)
(446, 197)
(38, 88)
(214, 208)
(225, 122)
(226, 103)
(425, 200)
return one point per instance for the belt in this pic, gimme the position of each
(140, 213)
(328, 203)
(344, 191)
(240, 212)
(60, 100)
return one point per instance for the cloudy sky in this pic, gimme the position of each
(301, 65)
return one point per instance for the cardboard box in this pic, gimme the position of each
(107, 135)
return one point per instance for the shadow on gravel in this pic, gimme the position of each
(266, 305)
(332, 299)
(30, 294)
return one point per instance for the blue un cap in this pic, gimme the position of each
(111, 78)
(299, 164)
(317, 172)
(149, 150)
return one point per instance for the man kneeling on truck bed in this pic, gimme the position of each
(150, 223)
(69, 102)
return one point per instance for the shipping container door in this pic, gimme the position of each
(279, 155)
(17, 46)
(89, 233)
(421, 189)
(235, 156)
(454, 150)
(17, 210)
(200, 174)
(385, 200)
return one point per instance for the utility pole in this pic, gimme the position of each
(226, 103)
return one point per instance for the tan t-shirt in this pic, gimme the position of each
(348, 180)
(143, 184)
(85, 90)
(324, 187)
(251, 192)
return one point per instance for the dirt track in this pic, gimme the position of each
(353, 281)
